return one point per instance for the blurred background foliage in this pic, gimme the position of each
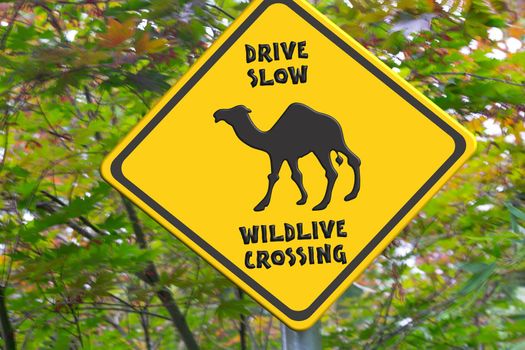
(80, 268)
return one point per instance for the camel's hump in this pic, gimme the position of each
(300, 107)
(300, 110)
(298, 115)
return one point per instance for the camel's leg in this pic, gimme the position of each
(272, 179)
(331, 176)
(354, 162)
(297, 177)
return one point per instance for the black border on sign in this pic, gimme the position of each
(297, 315)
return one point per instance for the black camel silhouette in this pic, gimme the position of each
(299, 131)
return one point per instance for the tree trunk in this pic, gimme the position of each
(8, 335)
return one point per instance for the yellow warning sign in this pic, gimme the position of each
(288, 157)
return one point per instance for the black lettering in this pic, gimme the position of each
(264, 53)
(289, 232)
(339, 256)
(302, 261)
(273, 237)
(250, 53)
(300, 48)
(254, 81)
(315, 235)
(340, 232)
(249, 235)
(311, 257)
(327, 231)
(300, 232)
(297, 77)
(281, 76)
(324, 253)
(247, 263)
(278, 257)
(264, 234)
(262, 259)
(288, 49)
(276, 51)
(290, 254)
(262, 73)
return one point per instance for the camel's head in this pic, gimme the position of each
(230, 115)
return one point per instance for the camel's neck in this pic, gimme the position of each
(248, 133)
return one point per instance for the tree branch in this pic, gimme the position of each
(122, 332)
(470, 75)
(81, 218)
(220, 10)
(137, 228)
(415, 320)
(85, 2)
(148, 275)
(242, 326)
(6, 141)
(151, 277)
(6, 328)
(145, 326)
(3, 40)
(52, 19)
(119, 309)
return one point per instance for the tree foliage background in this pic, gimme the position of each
(81, 268)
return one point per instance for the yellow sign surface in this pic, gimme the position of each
(288, 157)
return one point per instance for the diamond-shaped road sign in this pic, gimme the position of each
(286, 98)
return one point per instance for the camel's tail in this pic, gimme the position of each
(339, 159)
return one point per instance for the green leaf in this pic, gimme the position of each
(148, 80)
(482, 273)
(515, 211)
(232, 308)
(518, 346)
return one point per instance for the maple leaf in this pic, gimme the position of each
(146, 45)
(117, 32)
(476, 125)
(89, 57)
